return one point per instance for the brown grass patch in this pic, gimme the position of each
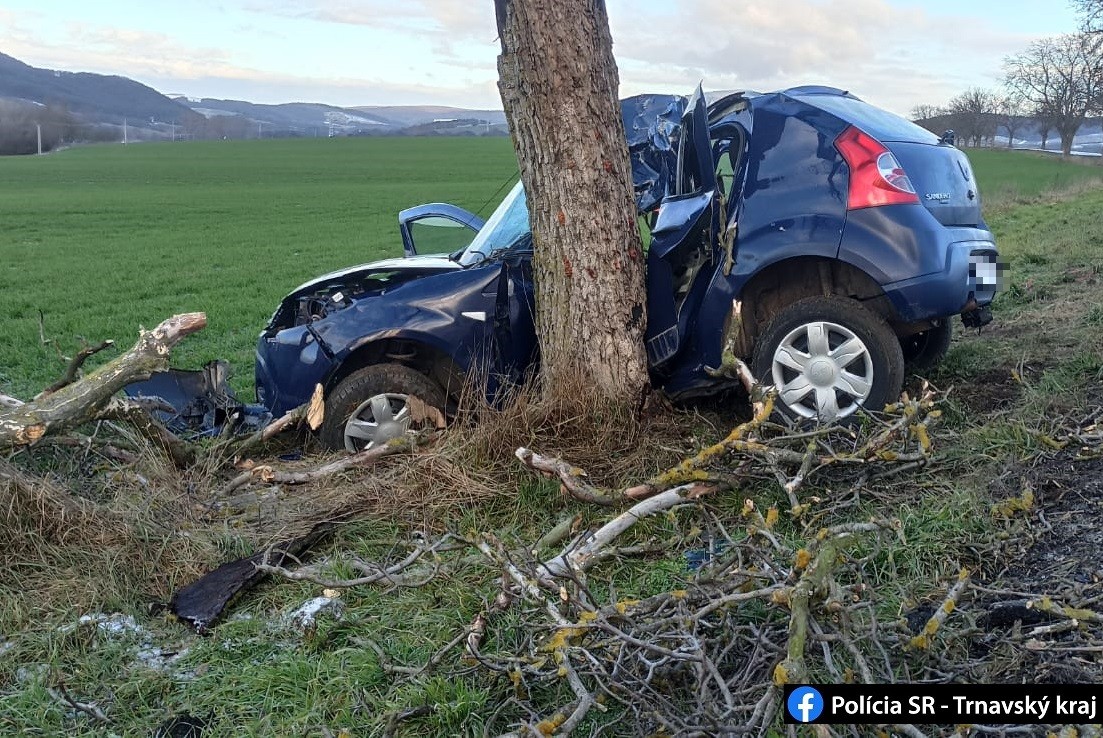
(85, 533)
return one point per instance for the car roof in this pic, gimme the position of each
(877, 122)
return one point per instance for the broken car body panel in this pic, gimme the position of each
(752, 190)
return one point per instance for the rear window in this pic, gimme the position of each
(881, 124)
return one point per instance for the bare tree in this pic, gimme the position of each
(558, 82)
(934, 118)
(1091, 15)
(972, 115)
(924, 112)
(1011, 115)
(1062, 78)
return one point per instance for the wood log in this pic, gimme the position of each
(82, 401)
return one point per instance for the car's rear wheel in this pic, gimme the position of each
(371, 406)
(927, 349)
(828, 357)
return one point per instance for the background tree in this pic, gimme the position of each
(972, 116)
(1062, 78)
(925, 112)
(1091, 15)
(559, 85)
(1011, 115)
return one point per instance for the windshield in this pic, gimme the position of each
(507, 226)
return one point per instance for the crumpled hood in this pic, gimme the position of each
(386, 271)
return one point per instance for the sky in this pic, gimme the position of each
(893, 53)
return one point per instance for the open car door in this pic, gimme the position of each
(682, 249)
(437, 228)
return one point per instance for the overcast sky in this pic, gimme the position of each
(895, 53)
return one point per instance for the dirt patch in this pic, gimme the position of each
(995, 389)
(1048, 575)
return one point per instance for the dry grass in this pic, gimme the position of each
(64, 553)
(87, 533)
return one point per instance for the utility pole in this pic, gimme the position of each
(125, 138)
(38, 131)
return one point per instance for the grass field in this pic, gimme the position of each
(288, 210)
(102, 239)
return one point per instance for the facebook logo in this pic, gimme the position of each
(805, 704)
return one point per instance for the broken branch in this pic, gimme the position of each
(74, 367)
(83, 400)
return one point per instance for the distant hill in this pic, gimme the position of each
(293, 119)
(105, 98)
(315, 119)
(66, 107)
(416, 115)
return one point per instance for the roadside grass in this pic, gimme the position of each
(258, 675)
(1007, 177)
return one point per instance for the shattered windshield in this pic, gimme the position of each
(507, 226)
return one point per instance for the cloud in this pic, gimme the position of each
(448, 25)
(896, 56)
(358, 51)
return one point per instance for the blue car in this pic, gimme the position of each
(824, 240)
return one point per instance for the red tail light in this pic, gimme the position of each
(876, 177)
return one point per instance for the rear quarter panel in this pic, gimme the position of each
(794, 197)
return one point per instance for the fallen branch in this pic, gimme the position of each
(73, 370)
(581, 555)
(923, 640)
(91, 709)
(311, 412)
(83, 400)
(265, 474)
(136, 414)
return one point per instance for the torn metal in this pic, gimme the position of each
(651, 124)
(202, 402)
(203, 601)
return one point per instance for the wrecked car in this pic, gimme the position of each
(825, 240)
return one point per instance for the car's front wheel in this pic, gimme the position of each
(828, 357)
(371, 406)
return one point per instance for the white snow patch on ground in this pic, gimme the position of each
(148, 653)
(306, 615)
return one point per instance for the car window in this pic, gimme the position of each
(435, 234)
(724, 172)
(507, 226)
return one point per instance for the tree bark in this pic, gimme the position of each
(559, 84)
(80, 402)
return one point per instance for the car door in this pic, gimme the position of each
(437, 228)
(682, 254)
(498, 321)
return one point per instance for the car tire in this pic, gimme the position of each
(829, 356)
(926, 350)
(364, 399)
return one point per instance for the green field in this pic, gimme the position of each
(104, 239)
(1016, 175)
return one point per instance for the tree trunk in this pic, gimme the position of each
(1066, 142)
(558, 82)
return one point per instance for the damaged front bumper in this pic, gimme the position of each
(203, 405)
